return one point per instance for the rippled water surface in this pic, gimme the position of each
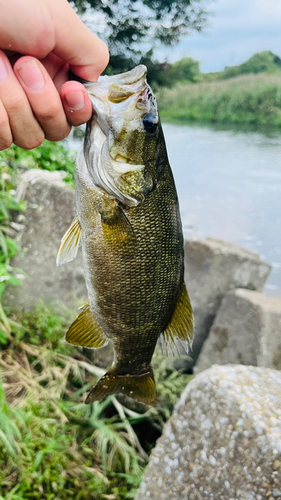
(229, 186)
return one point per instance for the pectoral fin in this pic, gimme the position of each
(70, 243)
(118, 230)
(85, 331)
(181, 325)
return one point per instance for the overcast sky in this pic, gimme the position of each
(237, 29)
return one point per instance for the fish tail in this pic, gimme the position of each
(139, 387)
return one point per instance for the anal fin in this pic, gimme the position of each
(139, 387)
(85, 331)
(181, 325)
(70, 243)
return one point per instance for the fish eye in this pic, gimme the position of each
(150, 123)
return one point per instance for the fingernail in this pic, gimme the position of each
(3, 69)
(75, 100)
(31, 75)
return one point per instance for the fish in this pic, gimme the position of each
(129, 227)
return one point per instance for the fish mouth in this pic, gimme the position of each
(123, 89)
(131, 77)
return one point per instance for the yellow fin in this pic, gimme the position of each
(139, 387)
(85, 331)
(118, 230)
(70, 243)
(181, 325)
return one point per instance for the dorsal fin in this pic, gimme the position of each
(85, 331)
(181, 325)
(70, 243)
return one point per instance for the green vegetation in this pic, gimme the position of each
(135, 29)
(262, 62)
(49, 156)
(8, 245)
(250, 99)
(169, 75)
(187, 70)
(52, 445)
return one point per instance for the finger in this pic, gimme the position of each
(25, 129)
(43, 97)
(54, 65)
(38, 30)
(6, 138)
(86, 54)
(75, 99)
(76, 103)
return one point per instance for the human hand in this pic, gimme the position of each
(36, 99)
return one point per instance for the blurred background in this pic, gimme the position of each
(215, 67)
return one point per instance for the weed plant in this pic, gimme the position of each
(52, 445)
(49, 156)
(250, 99)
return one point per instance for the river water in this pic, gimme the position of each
(229, 186)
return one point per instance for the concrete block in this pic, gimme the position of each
(212, 268)
(50, 211)
(223, 440)
(246, 330)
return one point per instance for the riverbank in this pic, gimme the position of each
(247, 99)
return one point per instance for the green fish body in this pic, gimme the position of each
(129, 226)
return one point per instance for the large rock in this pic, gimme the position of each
(50, 211)
(246, 330)
(212, 268)
(223, 441)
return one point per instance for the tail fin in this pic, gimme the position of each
(139, 387)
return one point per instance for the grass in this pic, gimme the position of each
(49, 156)
(52, 445)
(247, 99)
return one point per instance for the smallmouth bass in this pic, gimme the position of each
(128, 224)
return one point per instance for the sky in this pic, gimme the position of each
(237, 29)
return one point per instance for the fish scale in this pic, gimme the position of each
(131, 236)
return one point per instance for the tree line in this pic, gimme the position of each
(135, 29)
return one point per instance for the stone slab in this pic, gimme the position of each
(246, 330)
(50, 211)
(212, 268)
(223, 441)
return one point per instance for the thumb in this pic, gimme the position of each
(85, 53)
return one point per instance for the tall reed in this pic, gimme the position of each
(251, 99)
